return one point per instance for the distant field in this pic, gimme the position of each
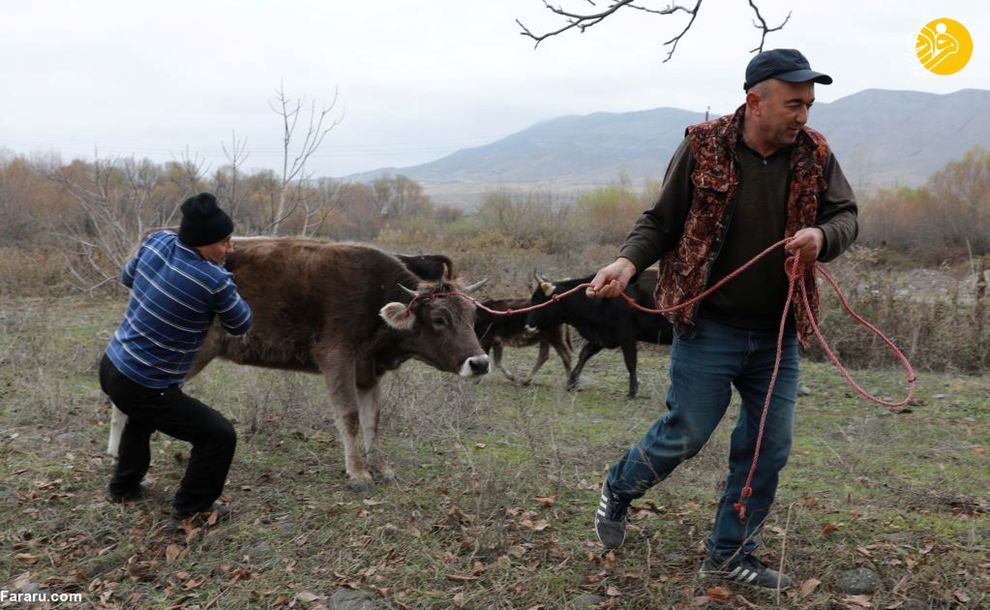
(497, 487)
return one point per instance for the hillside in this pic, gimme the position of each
(881, 137)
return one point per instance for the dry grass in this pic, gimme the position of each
(496, 488)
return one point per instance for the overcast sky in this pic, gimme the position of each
(416, 80)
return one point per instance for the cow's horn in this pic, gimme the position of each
(473, 287)
(409, 291)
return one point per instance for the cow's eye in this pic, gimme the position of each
(439, 321)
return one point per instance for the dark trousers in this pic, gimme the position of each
(177, 415)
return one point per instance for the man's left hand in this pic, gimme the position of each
(806, 244)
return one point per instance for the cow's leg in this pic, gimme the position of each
(118, 419)
(369, 405)
(497, 358)
(541, 358)
(589, 350)
(340, 376)
(562, 345)
(629, 355)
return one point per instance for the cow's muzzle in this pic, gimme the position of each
(474, 366)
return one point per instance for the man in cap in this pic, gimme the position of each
(178, 284)
(735, 186)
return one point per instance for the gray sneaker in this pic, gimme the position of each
(610, 518)
(746, 570)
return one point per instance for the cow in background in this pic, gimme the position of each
(603, 323)
(430, 267)
(351, 313)
(495, 331)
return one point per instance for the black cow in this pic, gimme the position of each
(430, 267)
(604, 323)
(493, 331)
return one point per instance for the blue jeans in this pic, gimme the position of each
(703, 367)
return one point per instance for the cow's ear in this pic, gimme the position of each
(398, 316)
(547, 287)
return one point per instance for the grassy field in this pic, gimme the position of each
(495, 494)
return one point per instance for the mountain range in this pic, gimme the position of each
(880, 137)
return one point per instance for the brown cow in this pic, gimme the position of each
(342, 310)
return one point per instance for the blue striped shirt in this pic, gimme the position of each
(175, 293)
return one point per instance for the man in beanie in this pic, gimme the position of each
(178, 284)
(735, 186)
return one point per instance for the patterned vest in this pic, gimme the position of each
(684, 271)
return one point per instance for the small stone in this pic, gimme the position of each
(349, 599)
(259, 551)
(804, 391)
(861, 581)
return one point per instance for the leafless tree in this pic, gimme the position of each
(228, 179)
(112, 220)
(581, 21)
(321, 122)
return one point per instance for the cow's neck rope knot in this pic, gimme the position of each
(795, 270)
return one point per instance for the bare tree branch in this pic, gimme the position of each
(676, 39)
(574, 20)
(294, 165)
(762, 26)
(583, 21)
(236, 156)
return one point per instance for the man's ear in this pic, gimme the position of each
(398, 316)
(753, 99)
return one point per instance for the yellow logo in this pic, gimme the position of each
(944, 46)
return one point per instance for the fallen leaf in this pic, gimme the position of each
(307, 597)
(961, 596)
(613, 591)
(459, 600)
(610, 560)
(808, 587)
(863, 601)
(829, 528)
(26, 558)
(700, 600)
(461, 577)
(480, 445)
(980, 450)
(22, 581)
(719, 594)
(546, 501)
(370, 502)
(742, 600)
(172, 552)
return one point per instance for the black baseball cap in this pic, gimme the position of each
(788, 65)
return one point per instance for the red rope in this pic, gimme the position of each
(794, 273)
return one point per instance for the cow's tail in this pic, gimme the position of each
(117, 421)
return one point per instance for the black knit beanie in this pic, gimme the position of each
(203, 222)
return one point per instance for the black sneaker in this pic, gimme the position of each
(746, 570)
(610, 518)
(128, 495)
